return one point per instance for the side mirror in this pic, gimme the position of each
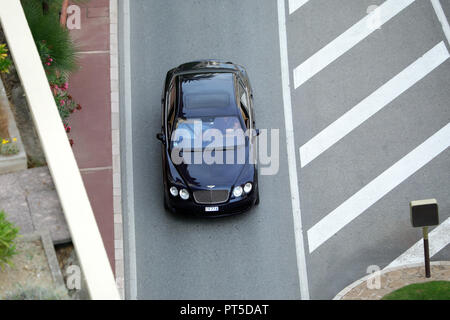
(161, 137)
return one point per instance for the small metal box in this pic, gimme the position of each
(424, 213)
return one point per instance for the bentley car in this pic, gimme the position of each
(208, 139)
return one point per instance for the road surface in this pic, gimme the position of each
(370, 132)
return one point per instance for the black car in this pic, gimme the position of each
(207, 115)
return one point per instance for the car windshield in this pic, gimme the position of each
(211, 132)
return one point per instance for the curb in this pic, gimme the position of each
(353, 285)
(115, 137)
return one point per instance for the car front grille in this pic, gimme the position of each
(211, 196)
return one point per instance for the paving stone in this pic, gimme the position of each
(395, 275)
(413, 271)
(98, 185)
(91, 127)
(98, 12)
(9, 185)
(439, 268)
(94, 32)
(30, 200)
(383, 282)
(17, 212)
(46, 213)
(36, 179)
(356, 292)
(446, 274)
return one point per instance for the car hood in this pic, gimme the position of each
(200, 176)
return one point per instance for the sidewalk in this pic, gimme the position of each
(31, 203)
(95, 129)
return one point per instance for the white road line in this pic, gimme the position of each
(128, 190)
(292, 163)
(442, 18)
(373, 103)
(377, 188)
(439, 238)
(348, 40)
(296, 4)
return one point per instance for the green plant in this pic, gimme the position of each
(37, 293)
(8, 234)
(52, 39)
(64, 101)
(56, 50)
(49, 5)
(433, 290)
(9, 147)
(5, 61)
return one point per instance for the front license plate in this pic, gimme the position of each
(211, 209)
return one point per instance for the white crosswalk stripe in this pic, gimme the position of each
(373, 103)
(439, 238)
(296, 4)
(442, 18)
(426, 70)
(377, 188)
(293, 179)
(347, 40)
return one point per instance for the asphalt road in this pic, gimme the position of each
(253, 256)
(382, 232)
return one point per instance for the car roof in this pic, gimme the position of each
(207, 94)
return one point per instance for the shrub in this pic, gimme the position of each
(56, 50)
(9, 147)
(66, 105)
(8, 234)
(52, 39)
(5, 61)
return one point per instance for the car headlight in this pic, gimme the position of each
(173, 191)
(237, 191)
(184, 194)
(248, 187)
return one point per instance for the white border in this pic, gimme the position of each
(115, 138)
(292, 162)
(130, 241)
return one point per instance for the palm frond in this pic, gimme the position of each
(46, 28)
